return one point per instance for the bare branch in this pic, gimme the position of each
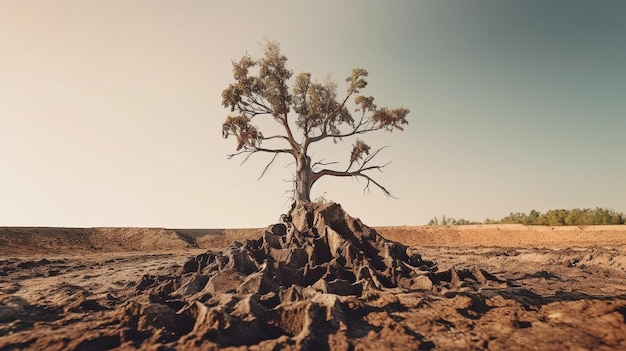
(246, 159)
(382, 188)
(291, 193)
(321, 163)
(275, 137)
(379, 168)
(371, 156)
(356, 174)
(237, 154)
(250, 151)
(292, 141)
(282, 151)
(267, 166)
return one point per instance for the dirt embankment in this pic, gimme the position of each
(507, 235)
(49, 240)
(25, 241)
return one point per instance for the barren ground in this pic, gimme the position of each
(562, 288)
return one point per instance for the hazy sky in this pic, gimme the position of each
(110, 111)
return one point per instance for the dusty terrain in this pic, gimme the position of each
(489, 287)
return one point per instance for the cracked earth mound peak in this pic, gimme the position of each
(299, 285)
(318, 246)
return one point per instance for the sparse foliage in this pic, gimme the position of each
(307, 113)
(321, 199)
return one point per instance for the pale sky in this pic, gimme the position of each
(110, 111)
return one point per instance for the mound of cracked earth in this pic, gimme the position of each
(298, 286)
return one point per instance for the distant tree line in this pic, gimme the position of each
(450, 221)
(576, 216)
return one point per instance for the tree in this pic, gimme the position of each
(311, 112)
(533, 217)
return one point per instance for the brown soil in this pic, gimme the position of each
(494, 287)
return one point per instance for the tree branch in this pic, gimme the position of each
(356, 174)
(292, 141)
(282, 151)
(382, 188)
(337, 110)
(355, 131)
(321, 163)
(367, 159)
(261, 104)
(268, 166)
(275, 137)
(324, 132)
(251, 151)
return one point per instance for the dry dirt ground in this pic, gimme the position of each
(549, 289)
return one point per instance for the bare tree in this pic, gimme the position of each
(309, 113)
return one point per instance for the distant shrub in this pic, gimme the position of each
(450, 221)
(574, 217)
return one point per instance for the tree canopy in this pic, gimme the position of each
(306, 112)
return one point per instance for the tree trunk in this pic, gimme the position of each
(303, 179)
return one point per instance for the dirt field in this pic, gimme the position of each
(561, 288)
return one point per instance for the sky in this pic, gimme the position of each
(111, 113)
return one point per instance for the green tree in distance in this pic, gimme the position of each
(309, 112)
(558, 217)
